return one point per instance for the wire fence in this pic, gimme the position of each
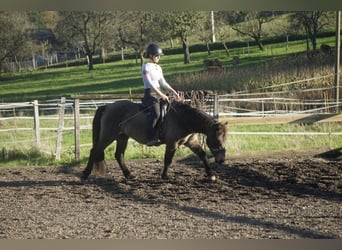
(43, 124)
(295, 97)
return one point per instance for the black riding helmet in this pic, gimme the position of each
(153, 50)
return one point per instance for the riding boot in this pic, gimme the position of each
(152, 135)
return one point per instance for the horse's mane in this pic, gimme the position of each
(191, 115)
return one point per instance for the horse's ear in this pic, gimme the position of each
(221, 125)
(224, 123)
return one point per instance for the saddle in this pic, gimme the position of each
(164, 108)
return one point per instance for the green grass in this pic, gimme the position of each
(255, 143)
(124, 76)
(54, 83)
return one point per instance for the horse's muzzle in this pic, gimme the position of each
(220, 155)
(220, 159)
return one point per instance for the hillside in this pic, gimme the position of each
(124, 76)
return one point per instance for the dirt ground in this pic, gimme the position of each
(290, 195)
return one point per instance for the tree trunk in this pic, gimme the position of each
(208, 49)
(90, 61)
(103, 55)
(287, 42)
(226, 48)
(122, 54)
(141, 58)
(171, 43)
(307, 45)
(313, 42)
(260, 45)
(186, 51)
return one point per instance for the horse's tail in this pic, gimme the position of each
(97, 124)
(99, 156)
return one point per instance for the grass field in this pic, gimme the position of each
(256, 68)
(124, 76)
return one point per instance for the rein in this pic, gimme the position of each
(129, 118)
(141, 111)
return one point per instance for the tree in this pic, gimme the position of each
(86, 30)
(13, 35)
(50, 19)
(312, 22)
(181, 24)
(139, 31)
(223, 31)
(252, 24)
(205, 33)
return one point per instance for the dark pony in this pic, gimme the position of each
(123, 119)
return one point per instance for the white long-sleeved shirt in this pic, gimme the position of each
(153, 77)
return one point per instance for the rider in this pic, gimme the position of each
(153, 79)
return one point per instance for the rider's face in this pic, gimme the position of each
(156, 58)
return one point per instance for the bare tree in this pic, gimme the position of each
(223, 34)
(181, 24)
(138, 31)
(205, 32)
(50, 19)
(13, 35)
(87, 29)
(252, 24)
(312, 22)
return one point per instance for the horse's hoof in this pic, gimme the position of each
(83, 178)
(130, 177)
(212, 178)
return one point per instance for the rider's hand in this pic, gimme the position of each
(165, 98)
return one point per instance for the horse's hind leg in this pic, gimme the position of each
(86, 172)
(121, 145)
(93, 157)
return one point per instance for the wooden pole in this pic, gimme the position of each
(77, 129)
(60, 129)
(212, 26)
(216, 105)
(36, 123)
(337, 64)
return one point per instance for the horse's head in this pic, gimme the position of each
(216, 139)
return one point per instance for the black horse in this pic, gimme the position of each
(123, 119)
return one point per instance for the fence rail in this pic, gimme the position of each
(50, 120)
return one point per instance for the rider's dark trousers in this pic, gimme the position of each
(152, 104)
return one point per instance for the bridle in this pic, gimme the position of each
(217, 150)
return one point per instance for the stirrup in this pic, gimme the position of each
(153, 142)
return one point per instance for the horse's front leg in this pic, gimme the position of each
(169, 153)
(121, 145)
(198, 150)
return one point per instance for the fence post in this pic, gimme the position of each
(77, 128)
(36, 123)
(60, 129)
(216, 105)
